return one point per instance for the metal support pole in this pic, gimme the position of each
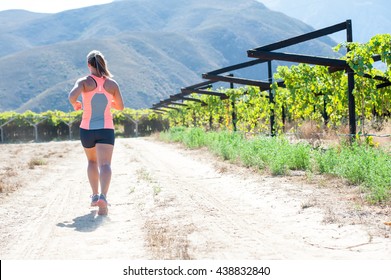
(36, 132)
(2, 126)
(70, 131)
(234, 116)
(350, 73)
(135, 122)
(194, 118)
(325, 115)
(271, 99)
(283, 118)
(35, 125)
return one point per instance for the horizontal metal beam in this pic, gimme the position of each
(172, 97)
(235, 80)
(168, 107)
(160, 110)
(177, 96)
(236, 67)
(167, 102)
(379, 78)
(202, 85)
(383, 85)
(305, 37)
(283, 44)
(201, 91)
(192, 99)
(298, 58)
(376, 57)
(162, 102)
(157, 108)
(215, 93)
(281, 84)
(333, 69)
(170, 102)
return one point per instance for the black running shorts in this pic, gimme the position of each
(89, 138)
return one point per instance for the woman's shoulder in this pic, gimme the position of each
(83, 79)
(110, 82)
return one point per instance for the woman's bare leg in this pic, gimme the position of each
(92, 169)
(104, 154)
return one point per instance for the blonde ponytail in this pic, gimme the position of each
(96, 59)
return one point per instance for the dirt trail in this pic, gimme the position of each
(172, 203)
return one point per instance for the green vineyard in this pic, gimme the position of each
(57, 125)
(310, 93)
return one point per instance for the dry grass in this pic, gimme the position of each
(8, 181)
(19, 159)
(309, 130)
(166, 242)
(2, 185)
(317, 135)
(384, 130)
(330, 217)
(311, 202)
(144, 175)
(35, 161)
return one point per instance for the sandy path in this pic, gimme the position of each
(172, 203)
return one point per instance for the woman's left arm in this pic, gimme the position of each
(117, 102)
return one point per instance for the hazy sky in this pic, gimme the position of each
(48, 6)
(368, 16)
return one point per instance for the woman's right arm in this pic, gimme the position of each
(75, 93)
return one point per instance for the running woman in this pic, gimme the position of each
(99, 94)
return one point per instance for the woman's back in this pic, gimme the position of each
(97, 105)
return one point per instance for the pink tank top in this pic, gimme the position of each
(97, 107)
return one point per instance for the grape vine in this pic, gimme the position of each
(310, 93)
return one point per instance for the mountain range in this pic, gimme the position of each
(153, 47)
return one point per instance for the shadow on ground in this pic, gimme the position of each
(86, 223)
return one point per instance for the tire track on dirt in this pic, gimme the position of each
(36, 206)
(221, 227)
(168, 203)
(233, 216)
(50, 218)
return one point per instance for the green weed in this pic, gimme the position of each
(360, 164)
